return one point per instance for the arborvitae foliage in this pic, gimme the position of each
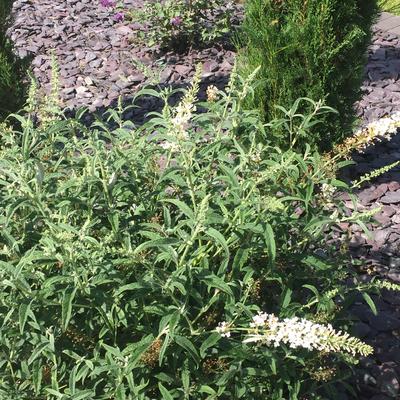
(313, 48)
(12, 69)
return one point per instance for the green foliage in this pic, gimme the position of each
(178, 24)
(392, 6)
(314, 49)
(122, 249)
(11, 69)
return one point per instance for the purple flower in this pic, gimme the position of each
(107, 3)
(176, 21)
(119, 16)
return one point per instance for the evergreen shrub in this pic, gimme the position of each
(315, 49)
(134, 261)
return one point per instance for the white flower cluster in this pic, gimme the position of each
(212, 93)
(298, 333)
(180, 122)
(223, 329)
(183, 114)
(383, 128)
(327, 194)
(294, 332)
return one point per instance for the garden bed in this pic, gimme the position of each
(95, 56)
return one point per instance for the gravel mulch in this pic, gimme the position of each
(98, 58)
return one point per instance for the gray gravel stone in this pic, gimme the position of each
(391, 198)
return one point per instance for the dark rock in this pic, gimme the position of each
(388, 210)
(210, 66)
(369, 195)
(393, 186)
(383, 322)
(394, 276)
(183, 69)
(382, 218)
(361, 330)
(381, 236)
(391, 198)
(394, 262)
(388, 382)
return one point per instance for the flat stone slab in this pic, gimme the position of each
(389, 23)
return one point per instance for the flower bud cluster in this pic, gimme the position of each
(327, 195)
(212, 93)
(387, 285)
(183, 114)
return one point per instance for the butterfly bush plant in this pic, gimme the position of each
(178, 24)
(183, 259)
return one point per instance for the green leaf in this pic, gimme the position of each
(37, 376)
(23, 311)
(66, 306)
(55, 393)
(186, 380)
(182, 206)
(163, 377)
(217, 282)
(270, 242)
(370, 303)
(148, 92)
(209, 342)
(188, 346)
(37, 352)
(164, 349)
(157, 243)
(166, 395)
(230, 176)
(272, 364)
(240, 259)
(133, 286)
(86, 394)
(313, 289)
(315, 262)
(120, 392)
(207, 389)
(113, 350)
(219, 238)
(72, 380)
(364, 228)
(287, 299)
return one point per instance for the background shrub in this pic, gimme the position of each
(314, 49)
(391, 6)
(180, 24)
(12, 69)
(121, 252)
